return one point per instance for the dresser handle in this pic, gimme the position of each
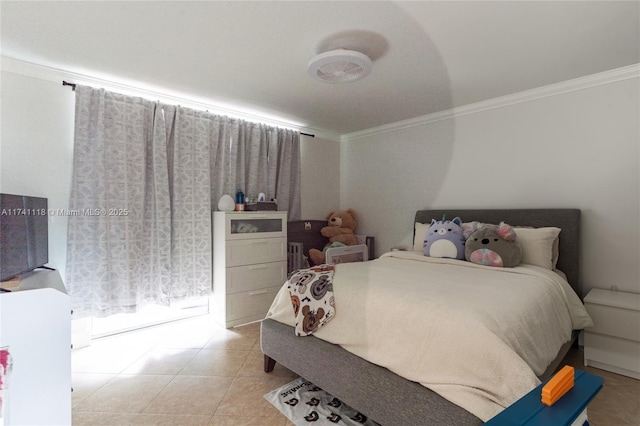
(254, 267)
(257, 292)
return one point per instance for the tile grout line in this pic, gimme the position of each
(96, 390)
(235, 377)
(226, 345)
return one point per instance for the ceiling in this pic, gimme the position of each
(428, 56)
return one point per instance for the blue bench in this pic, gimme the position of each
(570, 410)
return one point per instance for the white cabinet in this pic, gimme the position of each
(35, 326)
(613, 343)
(249, 264)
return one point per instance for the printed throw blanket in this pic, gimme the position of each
(311, 292)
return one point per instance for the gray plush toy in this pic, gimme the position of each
(494, 245)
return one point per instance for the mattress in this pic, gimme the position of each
(477, 336)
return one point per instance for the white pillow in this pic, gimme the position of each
(539, 246)
(419, 236)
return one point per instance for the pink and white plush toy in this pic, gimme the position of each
(494, 245)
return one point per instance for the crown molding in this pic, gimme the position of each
(599, 79)
(56, 75)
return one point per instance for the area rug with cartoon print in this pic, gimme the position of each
(306, 404)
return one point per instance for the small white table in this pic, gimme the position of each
(35, 327)
(613, 343)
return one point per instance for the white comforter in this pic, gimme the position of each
(476, 335)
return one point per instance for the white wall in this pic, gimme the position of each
(36, 154)
(577, 149)
(36, 149)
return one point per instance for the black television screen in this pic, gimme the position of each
(24, 234)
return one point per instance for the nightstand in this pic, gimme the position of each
(613, 343)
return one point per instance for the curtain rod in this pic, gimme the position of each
(73, 87)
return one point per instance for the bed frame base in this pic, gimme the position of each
(346, 376)
(375, 391)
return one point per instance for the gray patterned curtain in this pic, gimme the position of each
(145, 178)
(119, 236)
(189, 148)
(258, 158)
(284, 177)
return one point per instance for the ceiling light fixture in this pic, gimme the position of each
(340, 66)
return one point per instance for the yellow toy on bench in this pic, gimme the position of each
(559, 384)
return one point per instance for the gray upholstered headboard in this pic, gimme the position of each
(566, 219)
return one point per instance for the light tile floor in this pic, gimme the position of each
(191, 372)
(618, 403)
(194, 372)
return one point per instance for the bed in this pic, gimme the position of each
(381, 386)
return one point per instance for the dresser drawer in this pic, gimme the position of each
(614, 321)
(621, 356)
(253, 277)
(251, 304)
(248, 225)
(262, 250)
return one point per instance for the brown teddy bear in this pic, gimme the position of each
(340, 231)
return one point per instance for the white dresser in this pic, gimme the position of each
(249, 264)
(35, 327)
(613, 343)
